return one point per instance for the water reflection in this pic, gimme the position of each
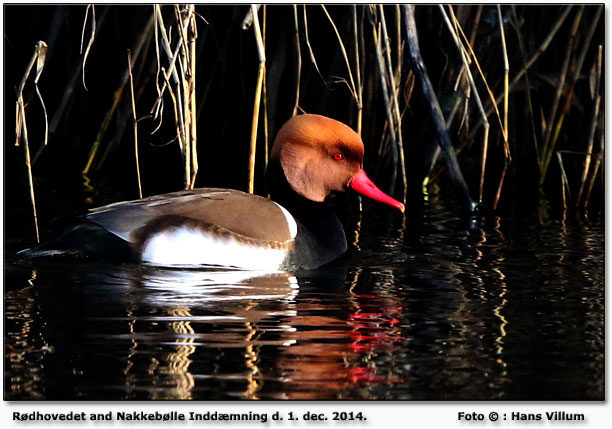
(178, 298)
(428, 309)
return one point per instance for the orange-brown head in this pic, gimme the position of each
(320, 155)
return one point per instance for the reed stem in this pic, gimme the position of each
(383, 82)
(598, 159)
(395, 99)
(135, 124)
(507, 156)
(466, 67)
(92, 36)
(436, 112)
(569, 93)
(299, 60)
(593, 127)
(358, 72)
(560, 86)
(21, 128)
(265, 86)
(258, 88)
(564, 182)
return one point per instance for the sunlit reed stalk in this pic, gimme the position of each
(92, 36)
(541, 49)
(21, 128)
(171, 69)
(515, 22)
(299, 60)
(598, 159)
(505, 130)
(135, 124)
(559, 90)
(258, 88)
(172, 57)
(399, 52)
(175, 104)
(358, 71)
(506, 73)
(395, 99)
(564, 181)
(383, 82)
(594, 117)
(181, 69)
(466, 66)
(570, 92)
(265, 86)
(191, 37)
(157, 27)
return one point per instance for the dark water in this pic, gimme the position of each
(437, 309)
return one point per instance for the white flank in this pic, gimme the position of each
(291, 224)
(188, 246)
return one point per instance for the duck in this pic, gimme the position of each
(312, 156)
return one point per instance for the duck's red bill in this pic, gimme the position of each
(362, 184)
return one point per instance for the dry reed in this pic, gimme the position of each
(21, 128)
(387, 100)
(397, 117)
(299, 61)
(569, 94)
(507, 157)
(135, 124)
(92, 36)
(179, 79)
(358, 71)
(564, 181)
(592, 128)
(466, 65)
(256, 104)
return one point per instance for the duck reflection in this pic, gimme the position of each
(198, 310)
(133, 332)
(200, 317)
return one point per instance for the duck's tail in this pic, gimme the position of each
(83, 239)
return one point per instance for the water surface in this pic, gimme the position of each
(433, 308)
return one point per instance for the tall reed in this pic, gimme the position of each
(21, 128)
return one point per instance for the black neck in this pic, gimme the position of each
(280, 191)
(320, 234)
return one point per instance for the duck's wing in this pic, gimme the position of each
(249, 215)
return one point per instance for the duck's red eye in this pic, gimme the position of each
(338, 156)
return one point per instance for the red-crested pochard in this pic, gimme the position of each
(312, 156)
